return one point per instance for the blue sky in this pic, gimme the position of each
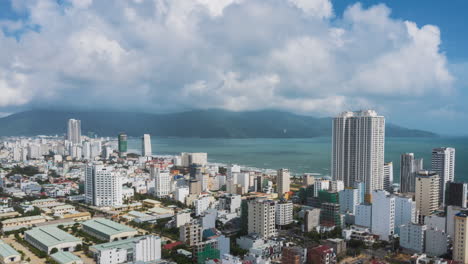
(407, 59)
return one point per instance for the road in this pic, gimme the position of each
(28, 254)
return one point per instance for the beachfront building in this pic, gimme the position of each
(443, 163)
(283, 181)
(358, 143)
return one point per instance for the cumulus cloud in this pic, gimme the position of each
(167, 55)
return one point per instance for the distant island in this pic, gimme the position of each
(213, 123)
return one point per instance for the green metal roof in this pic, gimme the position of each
(51, 235)
(107, 226)
(6, 250)
(65, 257)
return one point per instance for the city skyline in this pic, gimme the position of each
(317, 69)
(233, 131)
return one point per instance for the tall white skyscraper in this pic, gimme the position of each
(162, 181)
(103, 186)
(443, 163)
(74, 131)
(358, 149)
(146, 145)
(409, 167)
(283, 181)
(262, 217)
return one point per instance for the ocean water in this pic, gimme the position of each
(311, 155)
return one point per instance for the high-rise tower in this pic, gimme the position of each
(358, 149)
(262, 218)
(146, 145)
(460, 240)
(443, 163)
(103, 187)
(283, 181)
(427, 193)
(409, 167)
(74, 131)
(122, 145)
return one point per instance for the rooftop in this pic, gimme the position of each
(44, 200)
(6, 250)
(138, 214)
(51, 235)
(107, 226)
(64, 257)
(27, 218)
(123, 244)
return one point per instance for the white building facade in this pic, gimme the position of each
(358, 144)
(443, 163)
(383, 214)
(103, 186)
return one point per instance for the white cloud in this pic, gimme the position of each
(156, 55)
(316, 8)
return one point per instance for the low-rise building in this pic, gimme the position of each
(321, 255)
(108, 230)
(138, 249)
(77, 216)
(20, 222)
(44, 202)
(46, 238)
(139, 217)
(338, 245)
(62, 209)
(151, 203)
(66, 258)
(8, 254)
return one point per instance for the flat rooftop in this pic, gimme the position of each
(51, 235)
(107, 226)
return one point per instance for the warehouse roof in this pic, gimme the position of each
(65, 257)
(51, 235)
(6, 250)
(106, 226)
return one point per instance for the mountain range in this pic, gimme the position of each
(212, 123)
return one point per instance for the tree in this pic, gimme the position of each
(53, 251)
(78, 247)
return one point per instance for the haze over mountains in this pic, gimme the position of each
(212, 123)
